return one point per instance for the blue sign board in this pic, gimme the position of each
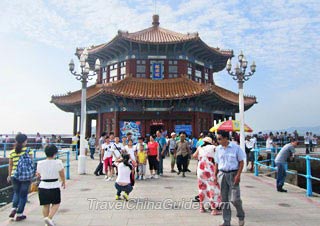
(185, 128)
(156, 71)
(134, 127)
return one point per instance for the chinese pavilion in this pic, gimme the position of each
(154, 79)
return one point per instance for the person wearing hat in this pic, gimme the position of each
(172, 150)
(209, 192)
(20, 188)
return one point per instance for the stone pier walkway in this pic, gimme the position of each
(89, 200)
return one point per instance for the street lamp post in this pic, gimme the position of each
(240, 76)
(83, 76)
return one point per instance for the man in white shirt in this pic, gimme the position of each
(74, 140)
(92, 145)
(99, 169)
(131, 150)
(2, 138)
(44, 141)
(106, 155)
(270, 147)
(306, 142)
(117, 148)
(117, 151)
(140, 142)
(249, 145)
(229, 160)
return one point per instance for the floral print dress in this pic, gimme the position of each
(209, 193)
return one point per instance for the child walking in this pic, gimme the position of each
(123, 181)
(142, 162)
(49, 171)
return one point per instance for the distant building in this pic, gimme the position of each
(154, 79)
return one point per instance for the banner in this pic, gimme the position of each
(184, 128)
(133, 127)
(156, 71)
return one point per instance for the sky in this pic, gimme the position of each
(38, 39)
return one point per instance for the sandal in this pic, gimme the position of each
(216, 212)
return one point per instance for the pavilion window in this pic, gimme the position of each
(198, 77)
(173, 69)
(113, 72)
(141, 69)
(198, 73)
(104, 73)
(122, 70)
(206, 75)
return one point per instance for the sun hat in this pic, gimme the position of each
(207, 139)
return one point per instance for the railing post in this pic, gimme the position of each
(256, 167)
(308, 176)
(68, 166)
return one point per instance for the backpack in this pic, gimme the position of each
(25, 168)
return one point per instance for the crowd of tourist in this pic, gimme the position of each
(311, 142)
(125, 161)
(219, 168)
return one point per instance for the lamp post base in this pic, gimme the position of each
(82, 164)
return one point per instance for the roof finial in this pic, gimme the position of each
(155, 21)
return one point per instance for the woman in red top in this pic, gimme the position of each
(153, 157)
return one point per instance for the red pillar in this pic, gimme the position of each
(182, 67)
(195, 124)
(118, 70)
(148, 75)
(99, 76)
(133, 67)
(88, 126)
(193, 72)
(99, 129)
(202, 75)
(108, 74)
(211, 80)
(116, 123)
(166, 69)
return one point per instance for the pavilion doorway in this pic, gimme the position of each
(155, 128)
